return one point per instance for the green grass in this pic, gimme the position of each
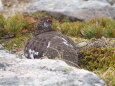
(14, 25)
(95, 28)
(17, 42)
(108, 76)
(101, 61)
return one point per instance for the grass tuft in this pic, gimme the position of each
(101, 61)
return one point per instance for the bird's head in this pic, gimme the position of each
(44, 25)
(47, 21)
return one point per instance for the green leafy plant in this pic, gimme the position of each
(101, 61)
(72, 29)
(96, 58)
(2, 23)
(94, 28)
(92, 31)
(15, 24)
(107, 26)
(17, 42)
(38, 15)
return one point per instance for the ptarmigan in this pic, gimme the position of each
(46, 42)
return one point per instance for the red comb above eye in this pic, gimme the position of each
(49, 19)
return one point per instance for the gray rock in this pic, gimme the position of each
(1, 6)
(114, 5)
(98, 0)
(1, 47)
(79, 9)
(111, 1)
(82, 44)
(43, 72)
(13, 7)
(102, 42)
(112, 11)
(6, 54)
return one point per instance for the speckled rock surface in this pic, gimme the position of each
(43, 72)
(13, 7)
(75, 9)
(1, 6)
(78, 9)
(102, 42)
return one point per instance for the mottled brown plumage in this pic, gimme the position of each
(47, 42)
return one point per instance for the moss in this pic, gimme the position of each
(101, 61)
(108, 75)
(15, 24)
(1, 41)
(2, 23)
(38, 15)
(17, 42)
(67, 69)
(98, 58)
(95, 28)
(79, 39)
(69, 28)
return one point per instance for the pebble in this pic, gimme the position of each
(82, 44)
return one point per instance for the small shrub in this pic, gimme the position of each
(92, 31)
(108, 75)
(13, 26)
(38, 15)
(107, 26)
(95, 28)
(2, 32)
(98, 58)
(2, 23)
(66, 19)
(101, 61)
(16, 23)
(72, 29)
(18, 41)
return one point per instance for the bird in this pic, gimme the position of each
(47, 42)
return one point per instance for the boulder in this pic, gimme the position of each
(77, 9)
(43, 72)
(1, 6)
(13, 7)
(111, 1)
(98, 43)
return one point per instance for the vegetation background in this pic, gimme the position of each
(14, 31)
